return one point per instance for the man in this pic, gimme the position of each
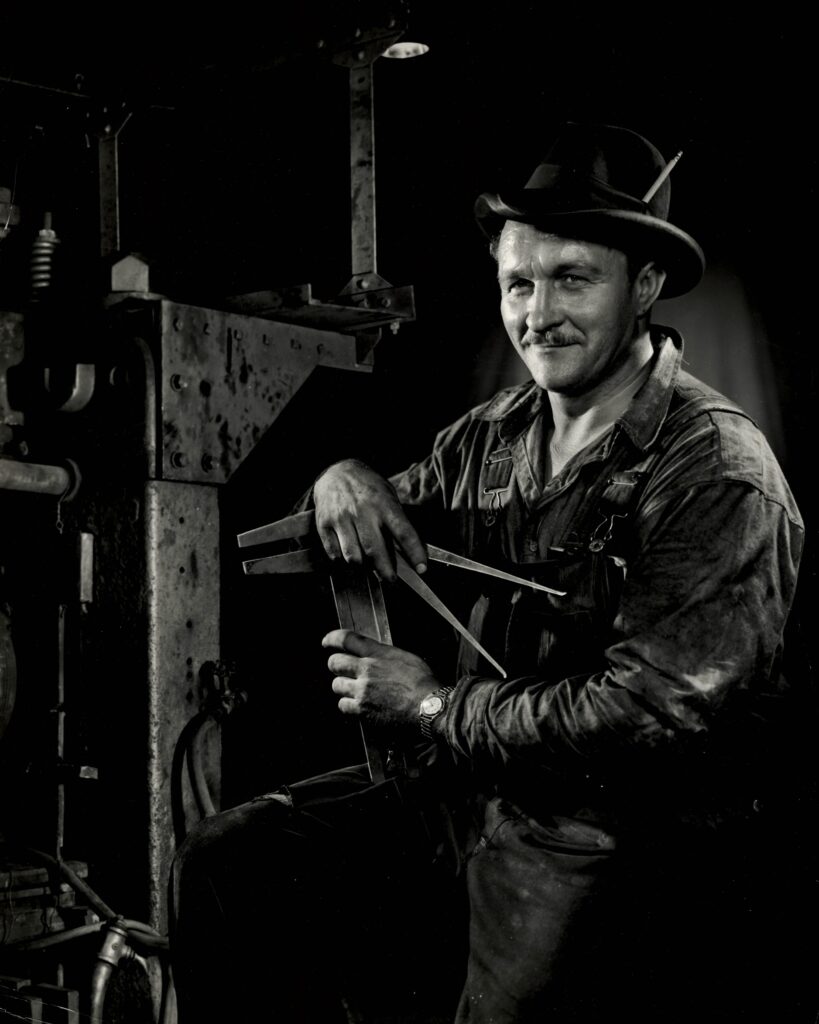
(602, 792)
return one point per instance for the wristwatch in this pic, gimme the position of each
(430, 707)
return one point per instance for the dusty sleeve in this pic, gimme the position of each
(696, 634)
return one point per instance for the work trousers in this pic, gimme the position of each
(334, 900)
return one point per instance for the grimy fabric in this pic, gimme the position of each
(602, 811)
(678, 542)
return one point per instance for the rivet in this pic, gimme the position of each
(179, 460)
(178, 382)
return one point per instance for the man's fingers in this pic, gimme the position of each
(344, 665)
(327, 535)
(348, 706)
(363, 512)
(377, 550)
(349, 544)
(351, 642)
(409, 541)
(359, 547)
(345, 687)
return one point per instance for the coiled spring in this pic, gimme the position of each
(42, 258)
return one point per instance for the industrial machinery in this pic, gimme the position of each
(128, 417)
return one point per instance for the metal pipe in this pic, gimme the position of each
(38, 479)
(60, 715)
(139, 934)
(55, 938)
(114, 948)
(77, 884)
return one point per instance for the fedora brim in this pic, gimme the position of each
(674, 250)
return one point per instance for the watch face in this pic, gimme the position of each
(432, 705)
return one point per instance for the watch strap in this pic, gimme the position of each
(425, 720)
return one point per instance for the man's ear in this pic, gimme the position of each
(647, 287)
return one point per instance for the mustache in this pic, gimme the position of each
(551, 339)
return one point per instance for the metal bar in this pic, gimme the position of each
(362, 171)
(360, 607)
(298, 525)
(108, 162)
(301, 524)
(448, 558)
(182, 587)
(414, 581)
(59, 712)
(290, 561)
(86, 578)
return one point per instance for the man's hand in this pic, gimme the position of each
(358, 518)
(382, 683)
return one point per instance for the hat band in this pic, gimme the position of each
(570, 190)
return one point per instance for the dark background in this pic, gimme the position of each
(234, 160)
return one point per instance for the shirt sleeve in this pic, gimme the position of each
(695, 639)
(420, 484)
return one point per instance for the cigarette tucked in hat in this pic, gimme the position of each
(591, 185)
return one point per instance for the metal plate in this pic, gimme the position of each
(226, 378)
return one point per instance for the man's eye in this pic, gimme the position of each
(519, 284)
(573, 279)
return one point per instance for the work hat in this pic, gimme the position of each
(594, 184)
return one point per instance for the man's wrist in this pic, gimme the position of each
(432, 709)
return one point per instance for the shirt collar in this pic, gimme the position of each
(641, 421)
(645, 416)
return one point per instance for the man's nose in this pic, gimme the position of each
(542, 312)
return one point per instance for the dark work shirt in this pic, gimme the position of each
(677, 540)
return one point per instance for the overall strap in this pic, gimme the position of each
(613, 498)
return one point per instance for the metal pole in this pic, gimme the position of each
(108, 163)
(108, 157)
(362, 170)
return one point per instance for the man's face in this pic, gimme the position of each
(568, 307)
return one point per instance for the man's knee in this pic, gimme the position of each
(226, 843)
